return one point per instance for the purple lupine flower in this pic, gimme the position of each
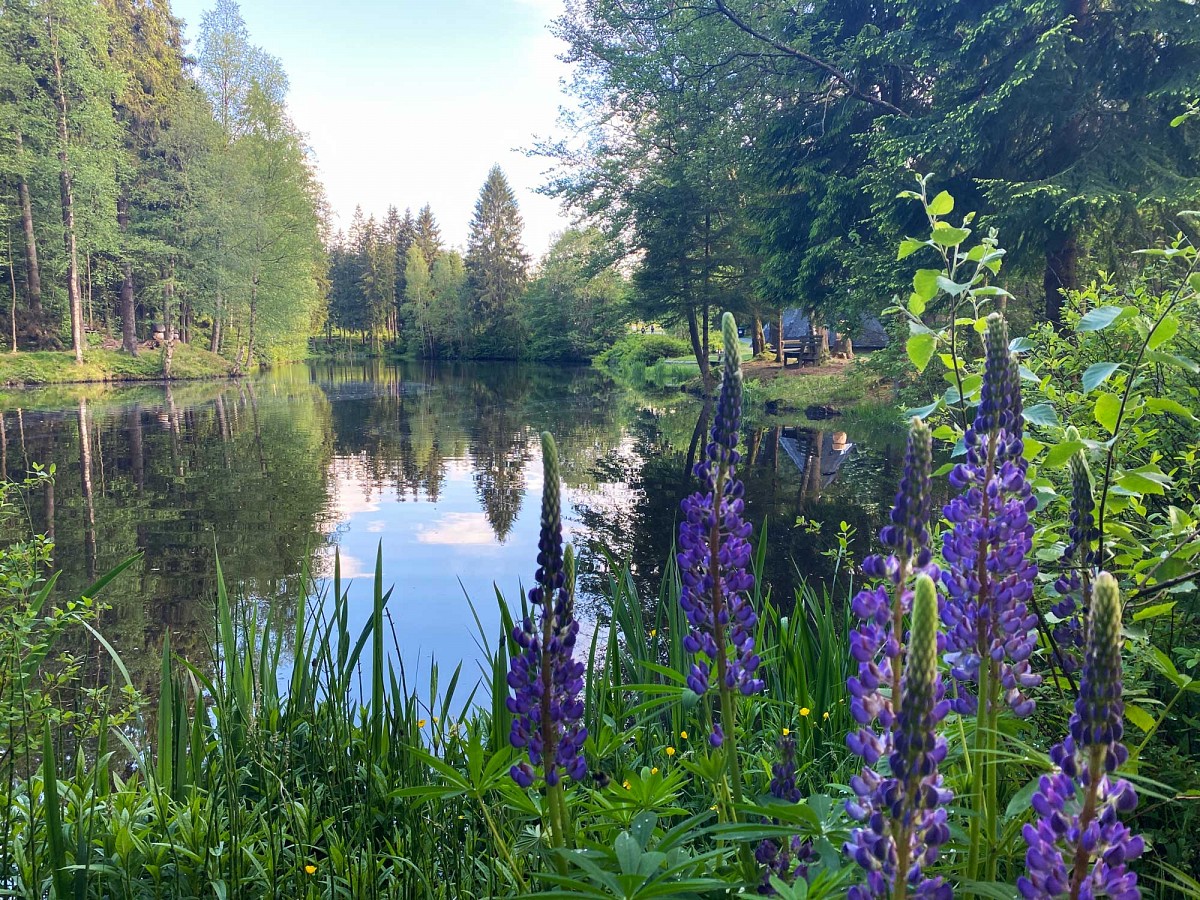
(714, 549)
(1078, 847)
(545, 677)
(903, 812)
(1074, 586)
(785, 859)
(875, 644)
(989, 579)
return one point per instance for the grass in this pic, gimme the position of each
(297, 762)
(786, 392)
(59, 367)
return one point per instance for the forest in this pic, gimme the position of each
(972, 669)
(147, 191)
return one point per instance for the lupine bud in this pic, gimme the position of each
(872, 644)
(903, 814)
(786, 859)
(989, 577)
(908, 532)
(1073, 586)
(548, 723)
(715, 590)
(1078, 847)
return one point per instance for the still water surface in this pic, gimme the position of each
(435, 465)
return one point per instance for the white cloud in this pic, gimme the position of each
(458, 529)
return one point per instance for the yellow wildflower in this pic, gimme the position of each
(824, 715)
(804, 710)
(626, 785)
(653, 632)
(670, 751)
(654, 771)
(310, 869)
(420, 723)
(786, 732)
(683, 734)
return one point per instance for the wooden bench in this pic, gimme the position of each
(804, 351)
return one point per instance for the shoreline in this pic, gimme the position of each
(47, 368)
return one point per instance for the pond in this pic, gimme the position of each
(436, 466)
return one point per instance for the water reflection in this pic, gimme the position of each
(437, 466)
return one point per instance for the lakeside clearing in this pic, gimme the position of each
(28, 369)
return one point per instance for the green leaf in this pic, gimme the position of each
(1153, 612)
(1163, 332)
(1167, 405)
(908, 247)
(1020, 345)
(920, 349)
(1137, 483)
(1139, 717)
(628, 852)
(1108, 407)
(1059, 455)
(1097, 374)
(942, 204)
(1100, 318)
(916, 304)
(1041, 414)
(922, 411)
(948, 236)
(925, 283)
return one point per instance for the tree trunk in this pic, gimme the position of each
(698, 347)
(1061, 274)
(68, 207)
(758, 340)
(12, 311)
(779, 337)
(33, 274)
(253, 322)
(214, 345)
(128, 311)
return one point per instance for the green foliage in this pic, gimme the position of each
(642, 350)
(47, 367)
(575, 307)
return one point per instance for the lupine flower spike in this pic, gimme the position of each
(714, 551)
(903, 813)
(876, 644)
(989, 579)
(1074, 586)
(1078, 847)
(782, 858)
(545, 677)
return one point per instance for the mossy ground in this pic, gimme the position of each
(59, 367)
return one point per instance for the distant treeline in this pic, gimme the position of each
(143, 190)
(393, 283)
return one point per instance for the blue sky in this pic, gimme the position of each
(412, 101)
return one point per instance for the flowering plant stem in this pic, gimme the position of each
(733, 763)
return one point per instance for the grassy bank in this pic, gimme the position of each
(52, 367)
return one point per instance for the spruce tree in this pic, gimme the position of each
(496, 267)
(427, 235)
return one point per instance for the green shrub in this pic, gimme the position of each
(636, 350)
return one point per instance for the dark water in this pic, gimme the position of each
(438, 465)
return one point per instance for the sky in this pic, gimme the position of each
(410, 102)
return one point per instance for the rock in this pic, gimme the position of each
(772, 407)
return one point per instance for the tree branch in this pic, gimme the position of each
(830, 69)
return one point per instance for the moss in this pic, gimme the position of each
(50, 367)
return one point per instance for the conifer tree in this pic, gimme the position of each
(427, 235)
(496, 267)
